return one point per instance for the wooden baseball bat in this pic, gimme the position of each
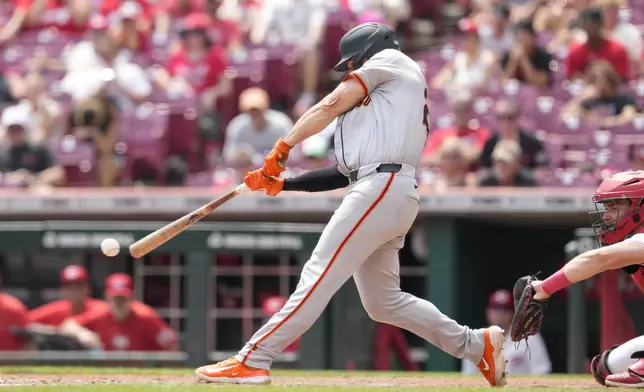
(159, 237)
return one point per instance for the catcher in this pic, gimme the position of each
(619, 225)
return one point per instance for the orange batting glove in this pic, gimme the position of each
(257, 180)
(275, 161)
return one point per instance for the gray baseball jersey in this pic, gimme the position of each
(391, 124)
(365, 233)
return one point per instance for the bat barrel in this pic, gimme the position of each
(157, 238)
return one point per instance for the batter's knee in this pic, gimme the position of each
(380, 308)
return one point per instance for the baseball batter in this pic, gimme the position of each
(619, 224)
(382, 127)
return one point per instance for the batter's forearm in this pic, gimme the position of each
(345, 97)
(311, 123)
(317, 180)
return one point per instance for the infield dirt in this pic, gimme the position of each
(362, 381)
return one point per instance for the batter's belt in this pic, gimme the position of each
(364, 171)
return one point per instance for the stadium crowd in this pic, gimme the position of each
(194, 92)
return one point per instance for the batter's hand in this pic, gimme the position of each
(257, 180)
(275, 161)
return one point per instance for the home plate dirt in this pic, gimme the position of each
(346, 380)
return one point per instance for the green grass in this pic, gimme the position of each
(134, 380)
(198, 388)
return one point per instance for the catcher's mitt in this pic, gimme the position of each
(528, 312)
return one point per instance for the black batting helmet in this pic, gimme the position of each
(362, 42)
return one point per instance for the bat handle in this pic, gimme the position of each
(241, 188)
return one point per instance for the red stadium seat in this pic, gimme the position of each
(78, 159)
(142, 141)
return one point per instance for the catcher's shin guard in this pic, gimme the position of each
(599, 366)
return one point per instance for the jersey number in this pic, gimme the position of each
(426, 113)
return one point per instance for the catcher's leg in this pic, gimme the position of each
(358, 227)
(616, 361)
(378, 283)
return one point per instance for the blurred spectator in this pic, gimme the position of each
(221, 30)
(45, 111)
(559, 19)
(527, 62)
(498, 36)
(596, 47)
(130, 30)
(11, 88)
(75, 302)
(620, 31)
(529, 357)
(315, 152)
(245, 13)
(69, 16)
(41, 61)
(241, 159)
(21, 162)
(257, 125)
(13, 314)
(388, 12)
(453, 168)
(94, 120)
(97, 67)
(169, 11)
(471, 67)
(111, 9)
(126, 325)
(601, 101)
(300, 23)
(464, 127)
(533, 153)
(197, 68)
(507, 169)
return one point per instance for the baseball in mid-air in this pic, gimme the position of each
(110, 247)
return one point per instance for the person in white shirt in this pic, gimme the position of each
(472, 65)
(96, 65)
(498, 36)
(533, 359)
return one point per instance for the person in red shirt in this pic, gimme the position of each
(464, 128)
(68, 16)
(597, 47)
(127, 325)
(198, 67)
(75, 299)
(13, 313)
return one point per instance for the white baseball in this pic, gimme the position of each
(110, 247)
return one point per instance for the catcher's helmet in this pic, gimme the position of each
(362, 42)
(613, 224)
